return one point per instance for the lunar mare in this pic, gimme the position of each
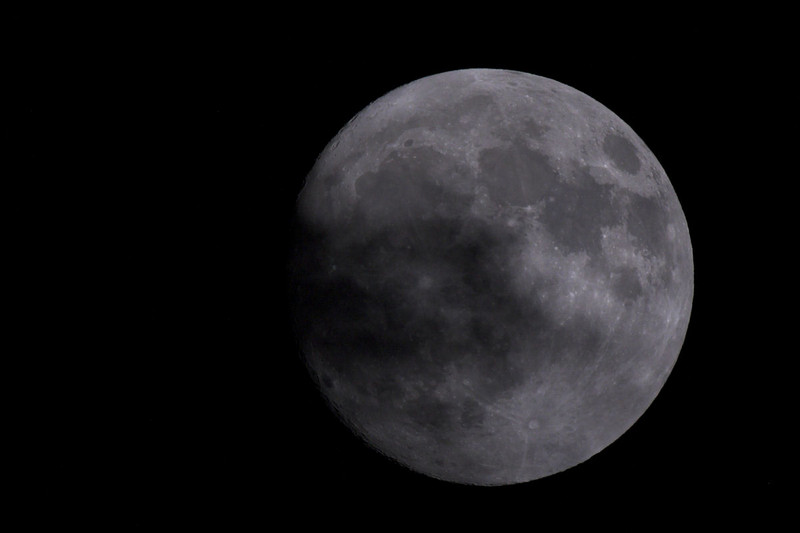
(492, 276)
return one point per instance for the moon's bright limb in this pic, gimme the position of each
(493, 276)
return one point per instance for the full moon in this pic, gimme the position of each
(491, 276)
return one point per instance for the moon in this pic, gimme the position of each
(491, 276)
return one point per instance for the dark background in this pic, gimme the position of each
(161, 157)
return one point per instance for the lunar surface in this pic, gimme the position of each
(492, 276)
